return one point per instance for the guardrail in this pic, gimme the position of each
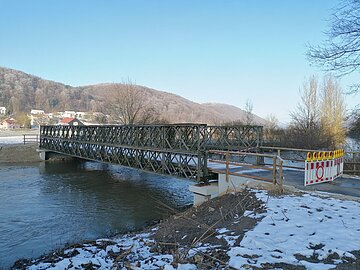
(352, 162)
(302, 153)
(277, 166)
(31, 138)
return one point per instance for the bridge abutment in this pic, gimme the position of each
(50, 155)
(43, 154)
(205, 192)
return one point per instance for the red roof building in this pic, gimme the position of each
(68, 121)
(9, 123)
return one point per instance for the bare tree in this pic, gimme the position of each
(306, 115)
(305, 129)
(249, 115)
(271, 129)
(318, 120)
(354, 130)
(128, 105)
(332, 112)
(341, 52)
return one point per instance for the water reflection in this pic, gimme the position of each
(45, 206)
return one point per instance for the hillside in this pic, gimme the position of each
(21, 92)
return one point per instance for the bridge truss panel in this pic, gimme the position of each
(169, 149)
(170, 137)
(233, 138)
(179, 150)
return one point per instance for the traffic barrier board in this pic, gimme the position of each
(324, 166)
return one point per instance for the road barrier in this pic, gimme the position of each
(323, 166)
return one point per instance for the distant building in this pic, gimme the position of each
(37, 112)
(37, 120)
(9, 123)
(80, 115)
(68, 114)
(2, 110)
(69, 121)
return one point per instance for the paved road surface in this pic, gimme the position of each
(346, 185)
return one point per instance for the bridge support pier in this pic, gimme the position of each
(203, 193)
(50, 155)
(43, 154)
(224, 185)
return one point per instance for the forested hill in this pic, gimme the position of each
(21, 92)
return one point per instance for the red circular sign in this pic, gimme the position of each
(320, 172)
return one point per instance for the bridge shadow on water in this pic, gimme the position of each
(103, 180)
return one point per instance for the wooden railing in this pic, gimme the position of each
(276, 167)
(352, 163)
(31, 139)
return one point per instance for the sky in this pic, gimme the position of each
(224, 51)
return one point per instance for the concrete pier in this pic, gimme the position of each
(203, 193)
(42, 154)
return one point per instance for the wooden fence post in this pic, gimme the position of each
(227, 167)
(274, 170)
(281, 176)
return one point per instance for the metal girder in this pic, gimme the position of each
(179, 150)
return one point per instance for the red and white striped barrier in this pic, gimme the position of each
(323, 167)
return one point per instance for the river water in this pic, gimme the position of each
(48, 205)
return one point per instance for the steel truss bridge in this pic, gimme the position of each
(181, 150)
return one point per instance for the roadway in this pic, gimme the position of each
(345, 185)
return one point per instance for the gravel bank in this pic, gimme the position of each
(19, 153)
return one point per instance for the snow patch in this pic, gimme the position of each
(300, 227)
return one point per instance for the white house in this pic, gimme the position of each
(2, 110)
(37, 112)
(68, 114)
(39, 119)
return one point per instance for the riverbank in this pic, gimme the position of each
(19, 153)
(246, 230)
(17, 132)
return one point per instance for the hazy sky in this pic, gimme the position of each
(224, 51)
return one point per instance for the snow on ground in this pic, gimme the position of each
(106, 253)
(298, 230)
(11, 140)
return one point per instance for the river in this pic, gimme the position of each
(45, 206)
